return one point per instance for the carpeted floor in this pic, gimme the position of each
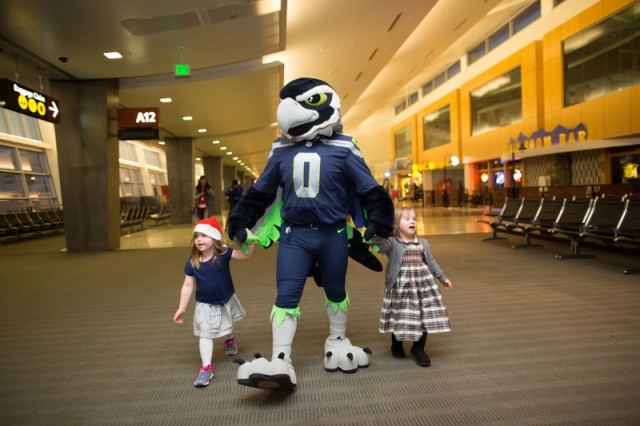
(88, 339)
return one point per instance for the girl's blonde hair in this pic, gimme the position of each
(398, 215)
(218, 250)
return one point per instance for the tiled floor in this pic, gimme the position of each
(431, 221)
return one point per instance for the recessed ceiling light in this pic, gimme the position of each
(223, 148)
(235, 158)
(215, 142)
(160, 142)
(202, 130)
(113, 55)
(187, 118)
(166, 100)
(239, 161)
(229, 153)
(198, 159)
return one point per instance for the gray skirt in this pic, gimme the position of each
(213, 321)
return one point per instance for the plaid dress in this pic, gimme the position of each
(414, 304)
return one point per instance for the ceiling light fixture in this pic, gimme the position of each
(166, 100)
(215, 142)
(223, 148)
(187, 118)
(202, 130)
(229, 153)
(113, 55)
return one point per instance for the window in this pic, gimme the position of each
(8, 158)
(427, 88)
(477, 52)
(401, 107)
(152, 158)
(437, 128)
(130, 182)
(33, 161)
(604, 58)
(453, 70)
(413, 98)
(526, 17)
(403, 142)
(40, 186)
(157, 180)
(499, 37)
(25, 180)
(522, 20)
(497, 103)
(128, 151)
(13, 123)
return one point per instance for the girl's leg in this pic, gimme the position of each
(206, 371)
(417, 350)
(396, 347)
(206, 351)
(230, 347)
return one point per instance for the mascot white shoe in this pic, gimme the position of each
(278, 374)
(339, 353)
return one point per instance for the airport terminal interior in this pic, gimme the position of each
(510, 127)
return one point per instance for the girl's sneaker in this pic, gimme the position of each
(230, 347)
(206, 373)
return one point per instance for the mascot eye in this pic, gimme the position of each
(316, 100)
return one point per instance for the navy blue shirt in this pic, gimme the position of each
(213, 282)
(317, 178)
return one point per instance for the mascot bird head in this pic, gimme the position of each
(308, 108)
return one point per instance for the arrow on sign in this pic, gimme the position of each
(54, 109)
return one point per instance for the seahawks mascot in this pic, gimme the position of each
(318, 173)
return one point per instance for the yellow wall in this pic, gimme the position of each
(541, 62)
(609, 116)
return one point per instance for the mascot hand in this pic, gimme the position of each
(237, 230)
(375, 229)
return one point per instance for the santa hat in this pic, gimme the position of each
(209, 227)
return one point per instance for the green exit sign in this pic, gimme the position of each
(182, 70)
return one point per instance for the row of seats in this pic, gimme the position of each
(610, 223)
(133, 216)
(18, 225)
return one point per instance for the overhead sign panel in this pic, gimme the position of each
(24, 100)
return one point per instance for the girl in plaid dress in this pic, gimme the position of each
(217, 306)
(412, 306)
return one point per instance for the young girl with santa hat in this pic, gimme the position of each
(217, 306)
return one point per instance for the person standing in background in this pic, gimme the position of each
(204, 197)
(233, 194)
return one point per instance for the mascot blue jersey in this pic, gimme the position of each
(318, 177)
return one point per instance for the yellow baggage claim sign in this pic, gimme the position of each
(22, 99)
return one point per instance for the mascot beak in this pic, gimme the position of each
(291, 114)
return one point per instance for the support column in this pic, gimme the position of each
(213, 170)
(87, 145)
(180, 168)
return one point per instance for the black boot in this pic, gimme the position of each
(417, 350)
(396, 347)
